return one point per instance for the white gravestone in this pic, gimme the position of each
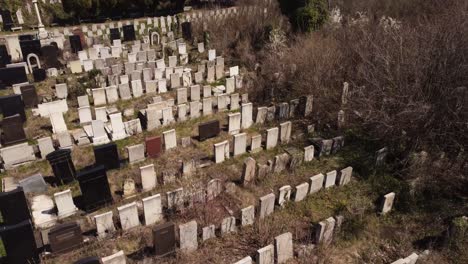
(128, 216)
(65, 205)
(152, 208)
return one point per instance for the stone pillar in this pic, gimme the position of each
(42, 32)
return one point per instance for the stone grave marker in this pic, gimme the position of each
(136, 153)
(94, 187)
(266, 255)
(301, 192)
(208, 130)
(387, 202)
(330, 179)
(107, 155)
(316, 183)
(188, 236)
(104, 224)
(344, 177)
(65, 237)
(148, 177)
(284, 248)
(284, 195)
(228, 225)
(65, 205)
(117, 258)
(272, 138)
(234, 123)
(240, 144)
(208, 232)
(248, 215)
(152, 208)
(164, 239)
(128, 216)
(267, 205)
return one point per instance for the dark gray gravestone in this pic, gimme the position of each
(65, 237)
(11, 105)
(89, 260)
(164, 241)
(20, 243)
(13, 75)
(30, 46)
(50, 57)
(208, 130)
(29, 94)
(12, 128)
(129, 32)
(114, 34)
(62, 165)
(14, 207)
(75, 43)
(39, 75)
(94, 187)
(187, 31)
(338, 143)
(107, 155)
(34, 184)
(4, 57)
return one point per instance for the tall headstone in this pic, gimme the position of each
(387, 202)
(188, 236)
(19, 243)
(266, 255)
(152, 208)
(164, 239)
(267, 205)
(94, 187)
(284, 248)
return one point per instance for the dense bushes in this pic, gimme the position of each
(305, 15)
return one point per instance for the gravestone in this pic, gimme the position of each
(285, 132)
(94, 187)
(208, 232)
(104, 224)
(228, 225)
(316, 183)
(152, 208)
(221, 151)
(272, 138)
(153, 147)
(128, 216)
(387, 202)
(246, 260)
(107, 155)
(266, 255)
(284, 248)
(284, 195)
(114, 34)
(29, 94)
(240, 144)
(136, 153)
(128, 33)
(65, 205)
(301, 192)
(33, 184)
(281, 162)
(75, 43)
(30, 46)
(330, 179)
(62, 165)
(248, 172)
(148, 177)
(50, 57)
(267, 205)
(170, 139)
(13, 75)
(65, 237)
(19, 243)
(309, 153)
(208, 130)
(188, 236)
(187, 31)
(13, 132)
(234, 123)
(164, 239)
(116, 258)
(39, 75)
(11, 105)
(14, 207)
(344, 177)
(248, 215)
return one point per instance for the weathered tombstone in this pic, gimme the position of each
(13, 75)
(272, 138)
(213, 189)
(284, 195)
(256, 144)
(208, 232)
(104, 224)
(228, 225)
(65, 237)
(338, 143)
(208, 130)
(324, 231)
(152, 208)
(247, 110)
(301, 192)
(330, 179)
(240, 144)
(221, 151)
(33, 184)
(306, 104)
(281, 162)
(65, 205)
(188, 236)
(309, 153)
(284, 248)
(75, 43)
(175, 199)
(380, 156)
(62, 165)
(128, 216)
(248, 172)
(148, 177)
(316, 183)
(344, 177)
(234, 123)
(164, 239)
(267, 205)
(247, 215)
(107, 155)
(19, 243)
(136, 153)
(14, 207)
(387, 203)
(266, 255)
(170, 139)
(94, 187)
(285, 132)
(246, 260)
